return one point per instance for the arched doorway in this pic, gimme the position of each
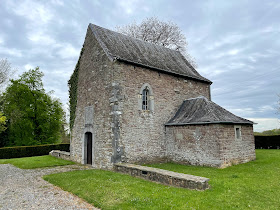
(88, 143)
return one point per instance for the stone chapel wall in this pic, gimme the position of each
(142, 133)
(94, 90)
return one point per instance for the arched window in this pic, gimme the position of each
(146, 98)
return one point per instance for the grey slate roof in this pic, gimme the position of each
(128, 49)
(202, 111)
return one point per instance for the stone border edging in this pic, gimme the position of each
(164, 176)
(60, 154)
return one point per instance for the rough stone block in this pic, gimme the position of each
(163, 176)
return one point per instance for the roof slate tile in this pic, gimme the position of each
(202, 111)
(128, 49)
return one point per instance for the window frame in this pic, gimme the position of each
(237, 132)
(145, 99)
(148, 106)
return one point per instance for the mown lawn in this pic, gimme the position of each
(36, 162)
(254, 185)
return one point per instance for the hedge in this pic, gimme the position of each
(29, 151)
(267, 142)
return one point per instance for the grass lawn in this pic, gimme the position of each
(254, 185)
(36, 162)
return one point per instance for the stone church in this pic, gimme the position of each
(138, 102)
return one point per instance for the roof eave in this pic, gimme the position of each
(164, 71)
(205, 123)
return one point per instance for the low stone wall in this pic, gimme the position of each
(164, 176)
(60, 154)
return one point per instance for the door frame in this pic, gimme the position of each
(84, 145)
(88, 142)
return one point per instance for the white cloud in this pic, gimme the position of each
(41, 39)
(57, 2)
(11, 51)
(242, 112)
(216, 72)
(231, 39)
(249, 111)
(265, 124)
(266, 108)
(68, 51)
(28, 67)
(1, 40)
(233, 51)
(31, 10)
(268, 29)
(226, 53)
(252, 59)
(128, 6)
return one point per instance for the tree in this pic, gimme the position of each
(34, 116)
(166, 34)
(5, 72)
(2, 123)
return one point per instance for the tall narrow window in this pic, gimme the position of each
(145, 99)
(237, 132)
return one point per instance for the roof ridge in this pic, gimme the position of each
(131, 37)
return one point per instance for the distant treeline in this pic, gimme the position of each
(273, 132)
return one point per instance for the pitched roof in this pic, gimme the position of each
(120, 47)
(202, 111)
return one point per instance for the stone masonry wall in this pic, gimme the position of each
(210, 145)
(194, 144)
(142, 133)
(94, 90)
(234, 151)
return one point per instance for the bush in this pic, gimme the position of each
(29, 151)
(267, 142)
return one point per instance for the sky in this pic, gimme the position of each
(236, 44)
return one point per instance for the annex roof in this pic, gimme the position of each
(120, 47)
(200, 110)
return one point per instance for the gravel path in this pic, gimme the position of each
(25, 189)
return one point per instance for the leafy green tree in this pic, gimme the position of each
(34, 116)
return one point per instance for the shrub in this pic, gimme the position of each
(267, 142)
(29, 151)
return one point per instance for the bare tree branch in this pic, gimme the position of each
(166, 34)
(6, 72)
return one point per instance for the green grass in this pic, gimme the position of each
(36, 162)
(253, 185)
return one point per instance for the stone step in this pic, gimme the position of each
(163, 176)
